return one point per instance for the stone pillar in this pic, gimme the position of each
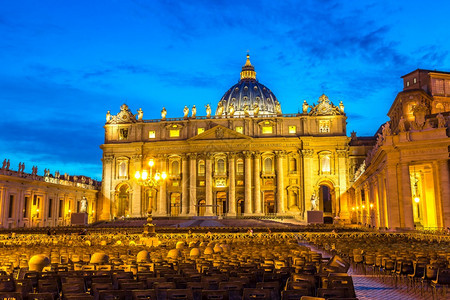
(374, 202)
(162, 203)
(444, 191)
(232, 185)
(392, 201)
(135, 203)
(192, 184)
(280, 155)
(208, 187)
(343, 209)
(307, 171)
(105, 208)
(248, 183)
(257, 180)
(184, 185)
(405, 198)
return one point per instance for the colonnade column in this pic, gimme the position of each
(257, 179)
(208, 187)
(232, 186)
(137, 198)
(192, 183)
(248, 183)
(405, 197)
(445, 191)
(280, 182)
(392, 205)
(184, 185)
(162, 204)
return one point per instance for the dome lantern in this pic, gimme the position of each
(248, 71)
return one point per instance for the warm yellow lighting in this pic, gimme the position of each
(151, 163)
(353, 208)
(93, 211)
(363, 206)
(371, 205)
(357, 207)
(70, 211)
(144, 175)
(163, 175)
(416, 199)
(267, 129)
(37, 210)
(157, 176)
(137, 175)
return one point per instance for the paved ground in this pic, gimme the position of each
(372, 287)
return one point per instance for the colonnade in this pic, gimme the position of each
(191, 191)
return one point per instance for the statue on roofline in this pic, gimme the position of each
(163, 113)
(186, 111)
(208, 111)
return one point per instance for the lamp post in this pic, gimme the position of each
(147, 179)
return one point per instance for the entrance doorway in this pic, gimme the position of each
(240, 207)
(269, 202)
(201, 208)
(325, 199)
(221, 201)
(175, 204)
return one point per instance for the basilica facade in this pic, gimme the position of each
(245, 158)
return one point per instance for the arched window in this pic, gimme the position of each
(220, 166)
(201, 168)
(439, 108)
(268, 166)
(240, 166)
(292, 164)
(325, 162)
(123, 169)
(175, 168)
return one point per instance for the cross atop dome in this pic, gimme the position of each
(248, 71)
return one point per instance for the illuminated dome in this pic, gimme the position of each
(248, 97)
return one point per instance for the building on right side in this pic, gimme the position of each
(404, 180)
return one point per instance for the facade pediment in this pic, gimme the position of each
(219, 132)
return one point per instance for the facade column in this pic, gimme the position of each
(405, 198)
(136, 200)
(162, 203)
(184, 185)
(192, 183)
(280, 182)
(208, 187)
(248, 183)
(444, 191)
(343, 209)
(257, 185)
(105, 206)
(307, 171)
(232, 185)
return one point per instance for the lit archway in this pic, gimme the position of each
(201, 208)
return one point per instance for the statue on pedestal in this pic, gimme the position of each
(186, 111)
(163, 113)
(208, 111)
(194, 112)
(313, 202)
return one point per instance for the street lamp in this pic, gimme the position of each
(147, 179)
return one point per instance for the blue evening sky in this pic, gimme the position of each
(64, 64)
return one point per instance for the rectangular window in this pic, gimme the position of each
(50, 205)
(240, 129)
(407, 83)
(415, 80)
(60, 209)
(11, 206)
(200, 130)
(34, 200)
(25, 206)
(151, 134)
(174, 132)
(292, 129)
(267, 129)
